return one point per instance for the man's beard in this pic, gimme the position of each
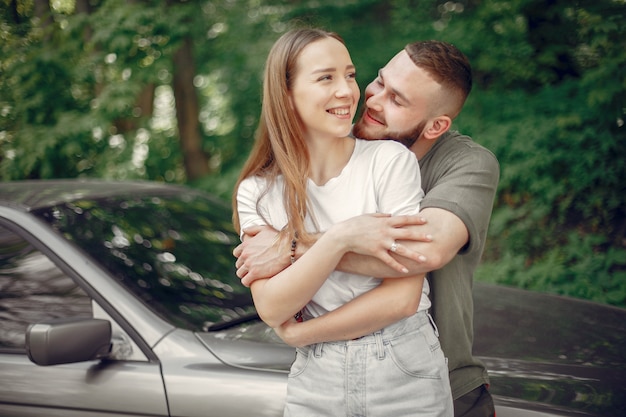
(407, 138)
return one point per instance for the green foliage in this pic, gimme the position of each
(575, 268)
(549, 101)
(559, 219)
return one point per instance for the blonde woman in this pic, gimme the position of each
(306, 175)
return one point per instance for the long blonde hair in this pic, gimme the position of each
(279, 147)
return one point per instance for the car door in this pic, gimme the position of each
(34, 288)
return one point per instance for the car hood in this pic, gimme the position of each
(552, 350)
(252, 346)
(545, 353)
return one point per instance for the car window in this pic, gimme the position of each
(32, 289)
(173, 252)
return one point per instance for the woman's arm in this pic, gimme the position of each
(279, 298)
(386, 304)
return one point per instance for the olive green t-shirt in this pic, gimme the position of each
(460, 176)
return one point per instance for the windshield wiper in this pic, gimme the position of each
(222, 325)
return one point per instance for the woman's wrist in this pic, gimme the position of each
(292, 249)
(337, 237)
(283, 243)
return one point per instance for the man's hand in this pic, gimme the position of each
(260, 255)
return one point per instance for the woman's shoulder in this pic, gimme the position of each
(381, 145)
(252, 181)
(257, 182)
(386, 149)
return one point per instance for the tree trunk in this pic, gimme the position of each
(187, 110)
(42, 11)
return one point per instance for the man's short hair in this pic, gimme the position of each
(447, 65)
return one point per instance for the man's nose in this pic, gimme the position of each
(374, 101)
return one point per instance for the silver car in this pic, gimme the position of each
(120, 298)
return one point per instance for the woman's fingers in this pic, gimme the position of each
(402, 250)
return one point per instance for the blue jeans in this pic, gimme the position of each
(397, 371)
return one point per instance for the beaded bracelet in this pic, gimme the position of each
(293, 250)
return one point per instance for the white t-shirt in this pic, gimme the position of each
(380, 177)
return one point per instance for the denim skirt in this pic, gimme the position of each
(395, 372)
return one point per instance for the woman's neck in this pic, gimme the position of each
(328, 158)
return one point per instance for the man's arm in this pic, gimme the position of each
(433, 244)
(264, 252)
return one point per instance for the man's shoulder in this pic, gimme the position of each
(456, 140)
(454, 145)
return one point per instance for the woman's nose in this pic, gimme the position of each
(345, 88)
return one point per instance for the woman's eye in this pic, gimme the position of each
(325, 77)
(352, 75)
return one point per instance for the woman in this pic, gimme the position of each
(306, 175)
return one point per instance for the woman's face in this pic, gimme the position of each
(325, 93)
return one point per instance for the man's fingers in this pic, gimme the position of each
(245, 276)
(253, 230)
(241, 272)
(238, 250)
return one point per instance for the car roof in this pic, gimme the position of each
(34, 194)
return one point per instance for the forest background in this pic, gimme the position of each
(170, 91)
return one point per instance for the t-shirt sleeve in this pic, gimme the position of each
(398, 181)
(247, 196)
(466, 187)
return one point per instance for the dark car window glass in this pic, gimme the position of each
(32, 289)
(174, 252)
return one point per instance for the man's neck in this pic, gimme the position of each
(422, 146)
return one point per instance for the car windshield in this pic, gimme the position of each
(173, 251)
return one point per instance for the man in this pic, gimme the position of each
(414, 100)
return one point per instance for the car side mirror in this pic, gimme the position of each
(70, 340)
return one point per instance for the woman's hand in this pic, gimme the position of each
(380, 235)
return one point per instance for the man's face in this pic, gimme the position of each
(398, 103)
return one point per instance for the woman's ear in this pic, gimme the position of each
(437, 127)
